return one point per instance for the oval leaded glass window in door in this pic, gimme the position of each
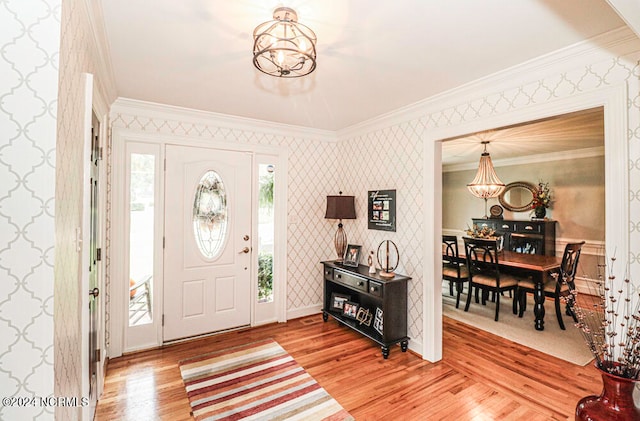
(210, 215)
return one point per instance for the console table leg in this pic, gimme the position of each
(385, 352)
(325, 316)
(404, 345)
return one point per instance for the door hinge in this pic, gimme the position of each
(100, 151)
(163, 320)
(165, 164)
(163, 242)
(98, 254)
(97, 356)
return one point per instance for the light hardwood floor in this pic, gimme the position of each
(481, 376)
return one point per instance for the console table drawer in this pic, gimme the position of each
(328, 273)
(375, 288)
(505, 226)
(350, 280)
(528, 227)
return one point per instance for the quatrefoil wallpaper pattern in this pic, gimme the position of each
(29, 47)
(28, 93)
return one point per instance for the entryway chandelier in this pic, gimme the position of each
(486, 184)
(283, 47)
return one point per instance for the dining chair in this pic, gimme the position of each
(454, 269)
(484, 272)
(559, 285)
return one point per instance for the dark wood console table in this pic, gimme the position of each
(382, 303)
(531, 237)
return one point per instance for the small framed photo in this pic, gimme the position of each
(364, 316)
(352, 255)
(338, 300)
(350, 309)
(377, 321)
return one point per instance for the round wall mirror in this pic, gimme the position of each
(517, 196)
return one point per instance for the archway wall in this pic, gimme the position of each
(402, 150)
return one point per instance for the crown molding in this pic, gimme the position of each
(616, 43)
(532, 159)
(175, 113)
(629, 11)
(107, 81)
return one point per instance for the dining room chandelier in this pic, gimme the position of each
(486, 184)
(283, 47)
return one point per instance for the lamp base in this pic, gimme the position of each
(340, 242)
(384, 274)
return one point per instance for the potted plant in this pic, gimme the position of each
(541, 200)
(610, 325)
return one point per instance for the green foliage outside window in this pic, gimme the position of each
(265, 276)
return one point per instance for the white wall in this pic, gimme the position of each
(28, 92)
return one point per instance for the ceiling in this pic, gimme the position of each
(583, 130)
(374, 57)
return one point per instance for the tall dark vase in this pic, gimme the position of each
(615, 403)
(540, 212)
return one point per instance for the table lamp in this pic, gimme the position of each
(340, 207)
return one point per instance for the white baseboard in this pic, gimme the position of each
(304, 311)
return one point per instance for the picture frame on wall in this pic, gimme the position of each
(382, 210)
(352, 255)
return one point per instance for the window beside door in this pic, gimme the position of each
(266, 215)
(141, 236)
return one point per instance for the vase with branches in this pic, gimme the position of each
(608, 317)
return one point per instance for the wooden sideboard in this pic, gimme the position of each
(382, 303)
(533, 237)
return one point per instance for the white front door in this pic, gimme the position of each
(207, 282)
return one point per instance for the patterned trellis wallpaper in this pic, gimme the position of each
(29, 48)
(32, 346)
(78, 55)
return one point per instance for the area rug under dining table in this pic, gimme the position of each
(567, 345)
(256, 381)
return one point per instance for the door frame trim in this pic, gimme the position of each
(119, 242)
(94, 103)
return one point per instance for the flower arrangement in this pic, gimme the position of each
(484, 232)
(542, 196)
(610, 323)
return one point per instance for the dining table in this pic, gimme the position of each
(537, 266)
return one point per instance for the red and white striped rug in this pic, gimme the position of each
(257, 381)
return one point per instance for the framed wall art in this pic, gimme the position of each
(382, 210)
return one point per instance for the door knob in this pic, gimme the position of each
(244, 250)
(94, 292)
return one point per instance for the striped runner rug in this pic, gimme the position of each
(257, 381)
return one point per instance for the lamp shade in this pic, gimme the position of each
(340, 207)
